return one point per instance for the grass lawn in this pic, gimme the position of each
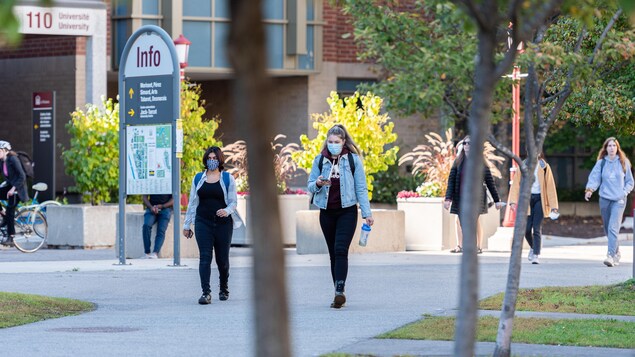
(593, 333)
(19, 309)
(604, 300)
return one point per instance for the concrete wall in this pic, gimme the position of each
(387, 233)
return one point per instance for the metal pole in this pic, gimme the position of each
(176, 177)
(510, 215)
(122, 177)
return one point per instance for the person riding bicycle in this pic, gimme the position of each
(15, 191)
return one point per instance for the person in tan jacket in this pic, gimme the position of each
(543, 202)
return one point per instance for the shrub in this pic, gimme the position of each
(285, 168)
(388, 183)
(94, 151)
(370, 129)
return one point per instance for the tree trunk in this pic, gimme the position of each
(253, 112)
(471, 194)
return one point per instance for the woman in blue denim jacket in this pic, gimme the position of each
(336, 191)
(612, 178)
(212, 207)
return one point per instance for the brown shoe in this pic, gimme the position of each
(338, 301)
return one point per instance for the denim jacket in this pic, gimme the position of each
(352, 189)
(231, 200)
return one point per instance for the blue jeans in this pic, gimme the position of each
(533, 230)
(161, 219)
(612, 212)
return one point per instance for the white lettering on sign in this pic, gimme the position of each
(149, 56)
(55, 20)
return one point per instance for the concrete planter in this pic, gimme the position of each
(134, 239)
(288, 204)
(387, 233)
(429, 226)
(84, 226)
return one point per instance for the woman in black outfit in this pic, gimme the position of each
(212, 207)
(453, 194)
(15, 191)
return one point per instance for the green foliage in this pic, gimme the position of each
(198, 133)
(426, 53)
(370, 129)
(95, 146)
(9, 25)
(94, 152)
(388, 183)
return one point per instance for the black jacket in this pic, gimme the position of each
(453, 191)
(16, 176)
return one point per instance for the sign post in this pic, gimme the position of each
(149, 94)
(44, 142)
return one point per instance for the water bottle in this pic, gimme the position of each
(363, 237)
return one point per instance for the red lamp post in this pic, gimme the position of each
(510, 215)
(182, 45)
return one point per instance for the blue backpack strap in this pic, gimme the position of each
(225, 175)
(197, 178)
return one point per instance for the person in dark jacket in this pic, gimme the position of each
(453, 194)
(15, 191)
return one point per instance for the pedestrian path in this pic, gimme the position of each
(154, 304)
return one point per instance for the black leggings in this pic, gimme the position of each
(338, 226)
(533, 231)
(12, 203)
(212, 236)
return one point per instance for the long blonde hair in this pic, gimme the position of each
(623, 159)
(340, 130)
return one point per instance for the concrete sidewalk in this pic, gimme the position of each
(149, 308)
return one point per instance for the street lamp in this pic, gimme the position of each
(182, 45)
(510, 215)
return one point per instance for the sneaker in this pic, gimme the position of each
(153, 256)
(535, 260)
(205, 299)
(338, 301)
(9, 242)
(616, 258)
(531, 255)
(223, 295)
(609, 262)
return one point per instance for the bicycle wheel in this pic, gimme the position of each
(30, 231)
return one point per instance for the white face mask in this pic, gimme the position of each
(554, 215)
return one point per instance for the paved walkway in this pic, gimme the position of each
(149, 308)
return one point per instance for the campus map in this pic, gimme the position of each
(149, 163)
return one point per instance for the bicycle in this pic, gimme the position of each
(31, 227)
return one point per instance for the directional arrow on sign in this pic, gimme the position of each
(131, 92)
(131, 112)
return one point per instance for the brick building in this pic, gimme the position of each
(307, 56)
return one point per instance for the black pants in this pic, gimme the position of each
(12, 203)
(212, 236)
(533, 231)
(338, 227)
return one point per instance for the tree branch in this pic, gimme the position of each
(475, 13)
(608, 27)
(455, 110)
(502, 148)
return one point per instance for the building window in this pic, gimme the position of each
(346, 87)
(200, 33)
(150, 7)
(198, 8)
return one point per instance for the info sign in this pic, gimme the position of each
(149, 91)
(149, 104)
(44, 141)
